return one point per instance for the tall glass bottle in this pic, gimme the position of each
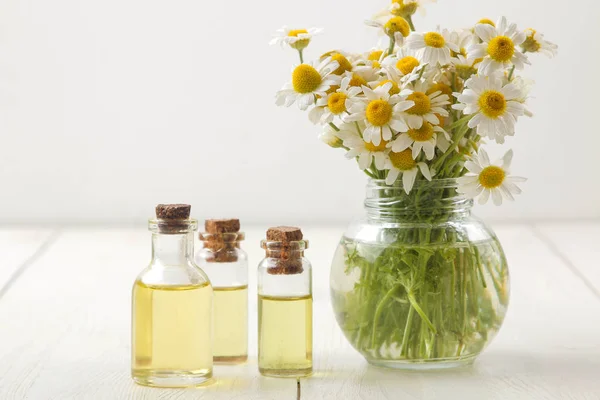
(227, 267)
(172, 307)
(285, 305)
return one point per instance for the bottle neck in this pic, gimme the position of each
(172, 249)
(427, 202)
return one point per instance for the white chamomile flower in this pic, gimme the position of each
(381, 112)
(335, 104)
(524, 86)
(296, 38)
(333, 137)
(366, 152)
(535, 43)
(485, 179)
(308, 82)
(465, 67)
(404, 163)
(407, 8)
(403, 63)
(499, 49)
(368, 66)
(428, 105)
(494, 106)
(424, 138)
(432, 47)
(396, 27)
(462, 39)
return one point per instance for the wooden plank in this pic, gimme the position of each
(578, 244)
(19, 247)
(69, 313)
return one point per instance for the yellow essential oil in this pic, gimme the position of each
(230, 324)
(172, 334)
(285, 336)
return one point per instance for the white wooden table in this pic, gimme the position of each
(65, 315)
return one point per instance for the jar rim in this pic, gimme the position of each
(299, 245)
(173, 227)
(225, 236)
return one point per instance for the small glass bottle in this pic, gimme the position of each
(172, 307)
(285, 305)
(227, 267)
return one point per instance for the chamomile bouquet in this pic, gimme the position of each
(414, 114)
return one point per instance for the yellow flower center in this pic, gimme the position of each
(375, 55)
(491, 177)
(298, 44)
(403, 160)
(306, 79)
(296, 32)
(462, 52)
(440, 87)
(372, 148)
(422, 103)
(379, 112)
(357, 80)
(434, 39)
(501, 48)
(423, 134)
(530, 44)
(337, 103)
(487, 21)
(344, 63)
(405, 10)
(395, 25)
(395, 89)
(492, 103)
(407, 64)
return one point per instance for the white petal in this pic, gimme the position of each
(496, 197)
(408, 179)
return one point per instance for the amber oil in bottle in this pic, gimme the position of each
(172, 308)
(285, 306)
(227, 267)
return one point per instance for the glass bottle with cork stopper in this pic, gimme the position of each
(172, 307)
(285, 305)
(227, 267)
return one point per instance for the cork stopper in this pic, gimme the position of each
(222, 238)
(222, 225)
(173, 219)
(173, 211)
(285, 244)
(284, 234)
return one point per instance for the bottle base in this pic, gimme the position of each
(230, 359)
(286, 373)
(172, 379)
(423, 365)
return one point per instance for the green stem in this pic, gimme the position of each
(301, 56)
(335, 128)
(392, 44)
(510, 74)
(410, 23)
(419, 310)
(407, 329)
(379, 310)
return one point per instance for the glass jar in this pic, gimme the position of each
(227, 267)
(419, 282)
(172, 312)
(285, 310)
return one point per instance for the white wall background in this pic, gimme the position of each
(109, 107)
